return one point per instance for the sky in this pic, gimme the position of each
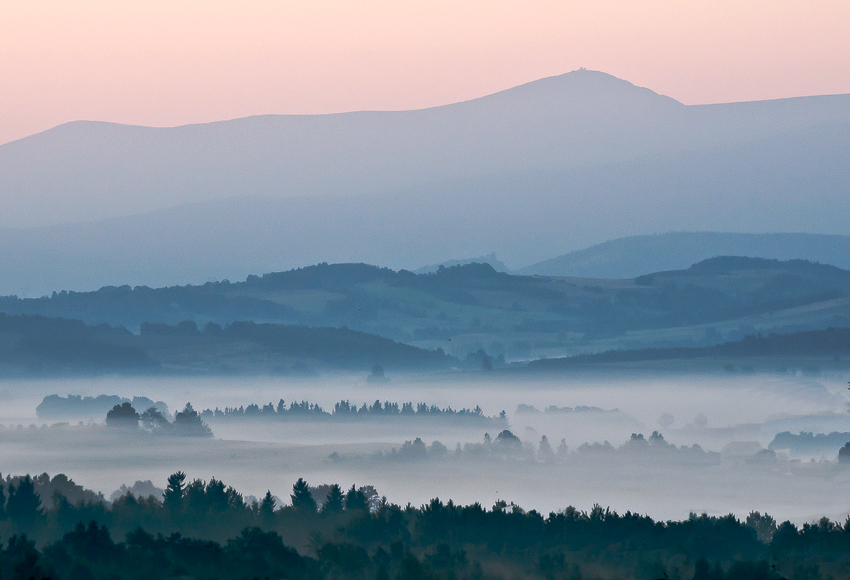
(173, 62)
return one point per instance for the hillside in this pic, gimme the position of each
(467, 308)
(636, 255)
(591, 157)
(39, 346)
(832, 345)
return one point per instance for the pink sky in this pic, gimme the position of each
(171, 62)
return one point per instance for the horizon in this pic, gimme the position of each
(168, 65)
(424, 108)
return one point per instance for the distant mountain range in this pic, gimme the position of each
(636, 255)
(531, 172)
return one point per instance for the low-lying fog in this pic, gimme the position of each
(728, 416)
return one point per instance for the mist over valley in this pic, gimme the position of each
(732, 419)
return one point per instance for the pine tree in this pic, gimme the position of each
(334, 501)
(356, 500)
(302, 499)
(173, 494)
(24, 504)
(267, 507)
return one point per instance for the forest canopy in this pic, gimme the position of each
(207, 529)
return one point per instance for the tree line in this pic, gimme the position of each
(206, 529)
(344, 409)
(187, 423)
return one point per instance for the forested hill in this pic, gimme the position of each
(463, 309)
(636, 255)
(39, 345)
(832, 342)
(35, 345)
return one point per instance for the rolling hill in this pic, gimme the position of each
(636, 255)
(39, 346)
(467, 308)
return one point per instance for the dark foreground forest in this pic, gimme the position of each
(207, 530)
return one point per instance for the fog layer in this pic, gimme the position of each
(730, 418)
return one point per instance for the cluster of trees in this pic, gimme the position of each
(206, 530)
(79, 407)
(346, 410)
(415, 450)
(187, 423)
(807, 442)
(531, 409)
(506, 445)
(654, 444)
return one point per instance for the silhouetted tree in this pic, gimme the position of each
(414, 450)
(508, 440)
(188, 423)
(24, 503)
(123, 416)
(153, 420)
(764, 525)
(356, 500)
(545, 451)
(302, 498)
(267, 507)
(173, 494)
(216, 496)
(334, 500)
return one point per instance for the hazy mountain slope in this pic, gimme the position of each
(831, 343)
(795, 182)
(531, 172)
(34, 345)
(634, 255)
(87, 170)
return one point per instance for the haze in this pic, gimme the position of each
(628, 222)
(749, 410)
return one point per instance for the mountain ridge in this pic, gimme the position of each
(566, 121)
(634, 255)
(541, 169)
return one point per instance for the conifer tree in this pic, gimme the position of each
(24, 504)
(334, 501)
(173, 494)
(302, 498)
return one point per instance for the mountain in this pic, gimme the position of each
(85, 170)
(531, 172)
(635, 255)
